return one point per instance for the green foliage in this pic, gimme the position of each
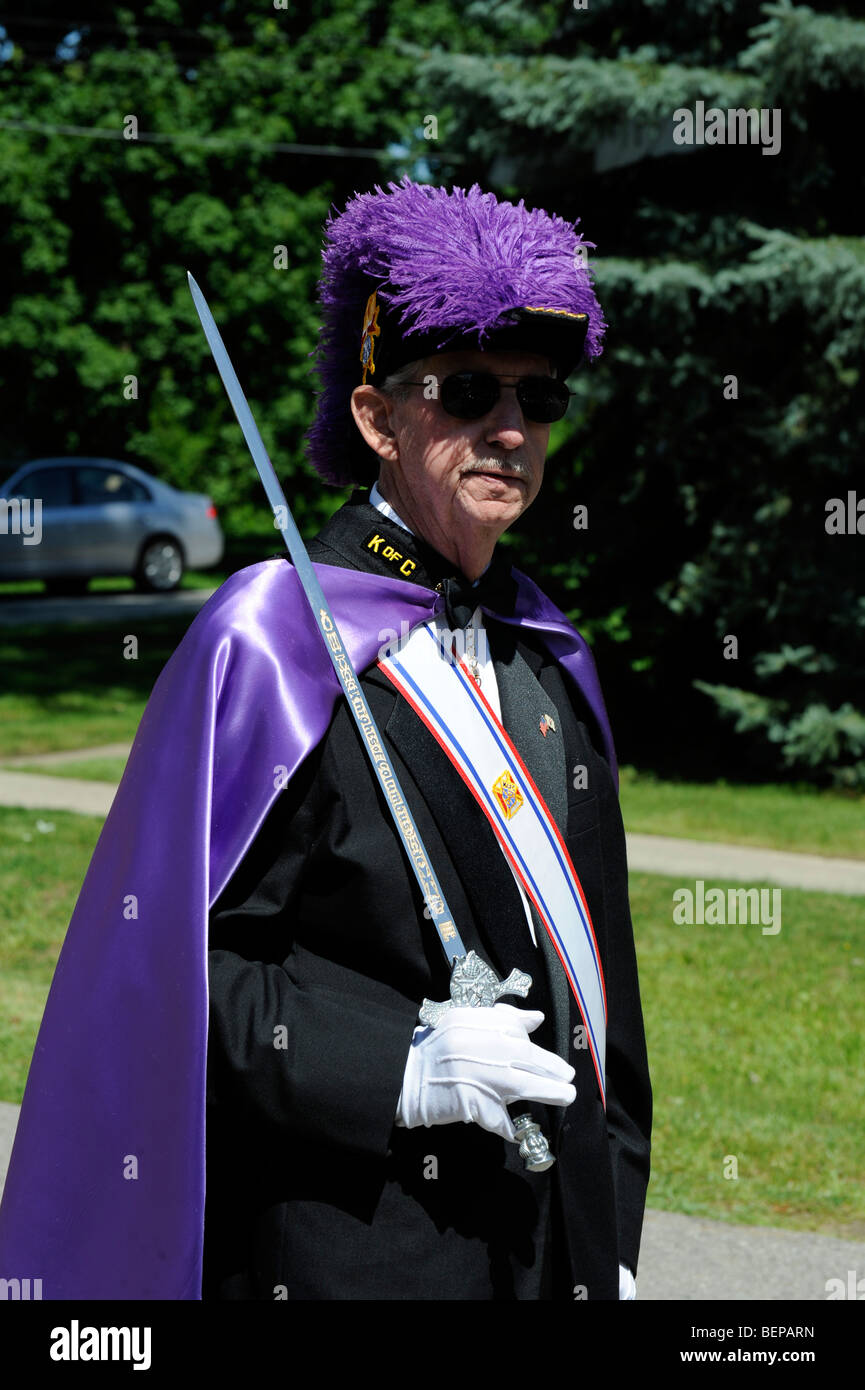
(816, 742)
(797, 49)
(100, 230)
(725, 412)
(706, 443)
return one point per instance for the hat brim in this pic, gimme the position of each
(554, 333)
(557, 334)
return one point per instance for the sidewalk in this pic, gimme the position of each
(689, 1258)
(651, 854)
(35, 792)
(658, 854)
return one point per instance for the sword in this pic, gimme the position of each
(473, 982)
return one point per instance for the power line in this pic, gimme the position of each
(156, 138)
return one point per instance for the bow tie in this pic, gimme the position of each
(496, 590)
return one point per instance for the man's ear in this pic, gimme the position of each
(372, 411)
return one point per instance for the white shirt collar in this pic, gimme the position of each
(387, 510)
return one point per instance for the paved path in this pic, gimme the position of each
(32, 790)
(71, 755)
(8, 1121)
(47, 793)
(99, 607)
(690, 1259)
(658, 854)
(653, 854)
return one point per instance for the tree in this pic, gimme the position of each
(705, 444)
(725, 411)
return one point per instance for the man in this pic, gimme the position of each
(325, 897)
(352, 1150)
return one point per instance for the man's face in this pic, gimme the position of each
(466, 476)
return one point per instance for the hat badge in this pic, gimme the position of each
(371, 329)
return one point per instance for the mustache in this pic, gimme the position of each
(513, 467)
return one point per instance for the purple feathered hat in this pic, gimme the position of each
(419, 269)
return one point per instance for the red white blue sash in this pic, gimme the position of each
(443, 694)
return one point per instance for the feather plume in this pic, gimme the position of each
(460, 261)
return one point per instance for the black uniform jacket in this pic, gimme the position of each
(319, 957)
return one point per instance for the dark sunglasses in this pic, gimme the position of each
(469, 395)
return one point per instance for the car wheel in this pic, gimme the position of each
(61, 586)
(160, 567)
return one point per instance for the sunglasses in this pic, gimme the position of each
(470, 395)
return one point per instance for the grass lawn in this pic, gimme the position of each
(757, 1053)
(755, 1042)
(775, 817)
(71, 686)
(42, 872)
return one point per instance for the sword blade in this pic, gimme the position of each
(533, 1146)
(440, 915)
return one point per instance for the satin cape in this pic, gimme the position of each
(104, 1197)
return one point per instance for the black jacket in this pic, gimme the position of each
(319, 957)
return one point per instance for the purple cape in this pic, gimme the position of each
(105, 1192)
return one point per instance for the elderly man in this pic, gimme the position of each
(354, 1151)
(384, 1193)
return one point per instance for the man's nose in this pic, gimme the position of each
(505, 424)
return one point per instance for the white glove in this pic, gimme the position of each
(627, 1284)
(473, 1064)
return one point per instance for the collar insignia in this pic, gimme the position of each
(371, 329)
(378, 544)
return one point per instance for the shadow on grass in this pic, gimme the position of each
(47, 663)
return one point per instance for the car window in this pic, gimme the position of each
(52, 485)
(96, 485)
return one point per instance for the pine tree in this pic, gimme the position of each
(726, 410)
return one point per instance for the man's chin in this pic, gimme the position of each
(497, 492)
(494, 513)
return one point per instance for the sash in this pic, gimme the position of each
(449, 701)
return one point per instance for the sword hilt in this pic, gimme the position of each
(534, 1147)
(475, 985)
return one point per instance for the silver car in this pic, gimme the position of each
(65, 520)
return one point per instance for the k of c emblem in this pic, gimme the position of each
(508, 795)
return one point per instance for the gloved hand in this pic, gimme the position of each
(473, 1064)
